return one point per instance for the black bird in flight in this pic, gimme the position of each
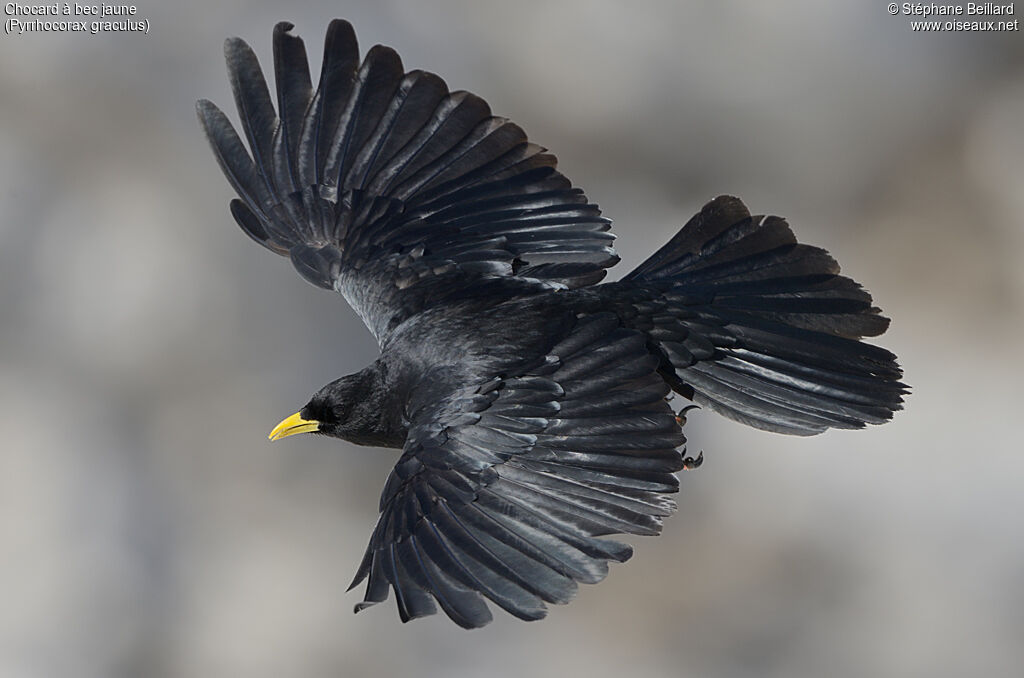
(529, 401)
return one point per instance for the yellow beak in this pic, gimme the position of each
(292, 425)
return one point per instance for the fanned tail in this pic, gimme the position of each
(763, 329)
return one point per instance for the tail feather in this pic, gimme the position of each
(783, 326)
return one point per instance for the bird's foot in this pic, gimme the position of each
(681, 416)
(689, 463)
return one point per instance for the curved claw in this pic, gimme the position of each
(681, 416)
(689, 463)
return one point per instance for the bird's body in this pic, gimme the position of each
(529, 401)
(439, 349)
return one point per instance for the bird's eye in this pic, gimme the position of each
(314, 411)
(321, 411)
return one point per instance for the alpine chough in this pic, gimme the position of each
(529, 401)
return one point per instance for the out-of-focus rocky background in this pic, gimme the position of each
(147, 528)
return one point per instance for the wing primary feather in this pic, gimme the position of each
(294, 93)
(521, 569)
(463, 606)
(376, 586)
(566, 529)
(546, 547)
(502, 591)
(341, 57)
(233, 159)
(413, 602)
(373, 87)
(259, 120)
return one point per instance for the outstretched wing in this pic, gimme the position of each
(390, 189)
(504, 487)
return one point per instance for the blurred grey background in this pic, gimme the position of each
(147, 527)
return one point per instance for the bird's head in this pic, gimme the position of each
(347, 408)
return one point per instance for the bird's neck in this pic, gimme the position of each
(375, 419)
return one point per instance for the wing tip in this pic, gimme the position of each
(215, 124)
(203, 109)
(340, 32)
(282, 27)
(235, 47)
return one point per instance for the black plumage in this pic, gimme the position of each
(529, 401)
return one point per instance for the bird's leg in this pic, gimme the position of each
(689, 463)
